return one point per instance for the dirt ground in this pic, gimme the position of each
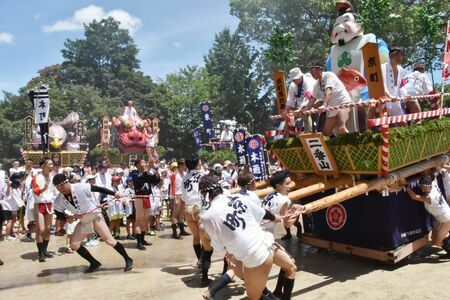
(165, 271)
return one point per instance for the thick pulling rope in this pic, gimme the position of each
(100, 206)
(287, 216)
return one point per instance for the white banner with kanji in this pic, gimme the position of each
(41, 106)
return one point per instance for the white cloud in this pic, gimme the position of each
(5, 85)
(37, 16)
(178, 45)
(6, 38)
(89, 13)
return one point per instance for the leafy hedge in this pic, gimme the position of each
(395, 135)
(217, 157)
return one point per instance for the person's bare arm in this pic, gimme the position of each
(416, 197)
(328, 93)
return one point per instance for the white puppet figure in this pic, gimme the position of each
(150, 144)
(348, 38)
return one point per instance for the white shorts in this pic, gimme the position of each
(150, 143)
(442, 215)
(258, 257)
(394, 109)
(334, 113)
(155, 210)
(87, 222)
(29, 214)
(70, 227)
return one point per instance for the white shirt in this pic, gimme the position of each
(103, 180)
(226, 136)
(179, 184)
(392, 88)
(165, 187)
(190, 192)
(2, 176)
(438, 207)
(273, 203)
(14, 170)
(82, 197)
(416, 84)
(13, 201)
(232, 222)
(299, 101)
(28, 192)
(39, 183)
(339, 94)
(251, 196)
(446, 182)
(130, 112)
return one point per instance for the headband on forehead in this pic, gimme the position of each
(393, 51)
(44, 161)
(60, 179)
(426, 181)
(212, 187)
(316, 66)
(278, 177)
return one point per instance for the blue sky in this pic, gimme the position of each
(170, 34)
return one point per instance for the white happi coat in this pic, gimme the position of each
(83, 199)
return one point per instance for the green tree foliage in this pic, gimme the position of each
(101, 70)
(185, 89)
(240, 85)
(309, 21)
(418, 26)
(216, 157)
(280, 50)
(104, 53)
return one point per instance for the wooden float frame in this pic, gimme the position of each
(390, 257)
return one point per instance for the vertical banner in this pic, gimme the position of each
(205, 110)
(372, 66)
(198, 140)
(106, 133)
(279, 81)
(446, 68)
(29, 129)
(239, 146)
(41, 105)
(80, 129)
(256, 156)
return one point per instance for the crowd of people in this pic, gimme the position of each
(91, 204)
(321, 89)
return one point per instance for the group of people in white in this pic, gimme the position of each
(321, 89)
(219, 205)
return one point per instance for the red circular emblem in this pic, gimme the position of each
(205, 107)
(239, 137)
(253, 144)
(336, 216)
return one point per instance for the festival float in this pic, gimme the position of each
(63, 141)
(350, 184)
(129, 137)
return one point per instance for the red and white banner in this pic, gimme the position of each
(446, 69)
